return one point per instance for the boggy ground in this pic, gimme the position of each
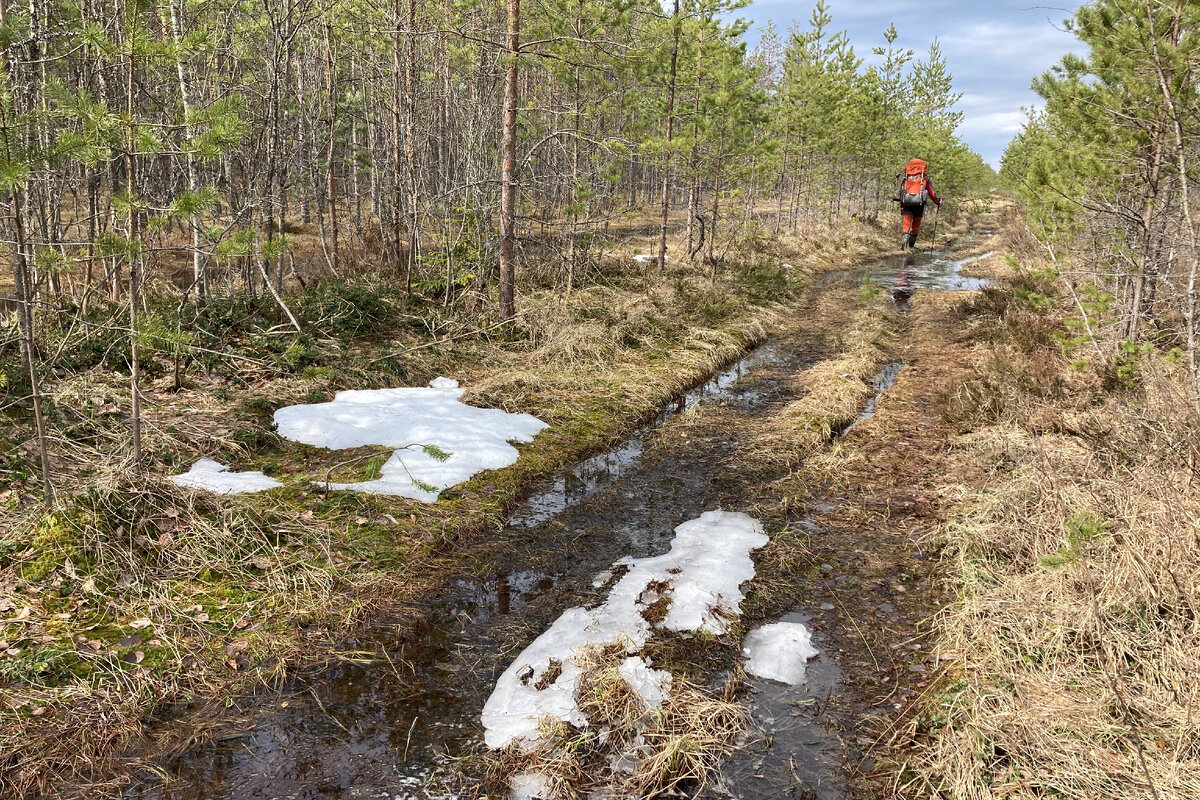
(761, 449)
(137, 597)
(846, 515)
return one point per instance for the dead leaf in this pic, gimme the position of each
(261, 562)
(138, 624)
(241, 624)
(96, 645)
(13, 651)
(136, 657)
(235, 647)
(130, 641)
(201, 618)
(39, 711)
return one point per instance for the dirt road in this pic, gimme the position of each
(831, 434)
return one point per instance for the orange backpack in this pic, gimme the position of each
(912, 189)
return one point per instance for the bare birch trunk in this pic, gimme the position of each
(666, 159)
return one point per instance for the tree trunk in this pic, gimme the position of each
(132, 224)
(508, 164)
(193, 180)
(410, 152)
(666, 159)
(331, 123)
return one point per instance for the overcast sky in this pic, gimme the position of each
(994, 49)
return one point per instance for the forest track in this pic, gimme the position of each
(846, 524)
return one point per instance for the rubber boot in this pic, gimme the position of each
(904, 241)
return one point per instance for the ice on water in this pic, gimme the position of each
(702, 573)
(420, 424)
(779, 652)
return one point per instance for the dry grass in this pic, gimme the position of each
(136, 596)
(833, 390)
(1071, 658)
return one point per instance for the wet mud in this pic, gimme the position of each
(405, 699)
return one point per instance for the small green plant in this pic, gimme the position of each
(1082, 527)
(436, 453)
(374, 467)
(317, 373)
(1127, 369)
(868, 291)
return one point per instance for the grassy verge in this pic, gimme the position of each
(1069, 658)
(132, 595)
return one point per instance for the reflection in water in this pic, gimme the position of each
(913, 273)
(589, 477)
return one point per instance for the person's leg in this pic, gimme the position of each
(906, 227)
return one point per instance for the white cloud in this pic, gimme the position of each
(995, 122)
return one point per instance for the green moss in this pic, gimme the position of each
(55, 540)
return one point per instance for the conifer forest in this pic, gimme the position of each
(567, 398)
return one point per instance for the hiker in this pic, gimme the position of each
(915, 191)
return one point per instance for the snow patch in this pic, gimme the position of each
(530, 786)
(779, 652)
(700, 576)
(213, 476)
(438, 440)
(645, 259)
(652, 685)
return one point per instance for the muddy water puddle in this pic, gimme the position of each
(903, 275)
(383, 722)
(792, 754)
(594, 474)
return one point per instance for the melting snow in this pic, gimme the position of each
(779, 652)
(530, 786)
(701, 575)
(652, 685)
(214, 476)
(418, 423)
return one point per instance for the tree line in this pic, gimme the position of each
(182, 147)
(1108, 173)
